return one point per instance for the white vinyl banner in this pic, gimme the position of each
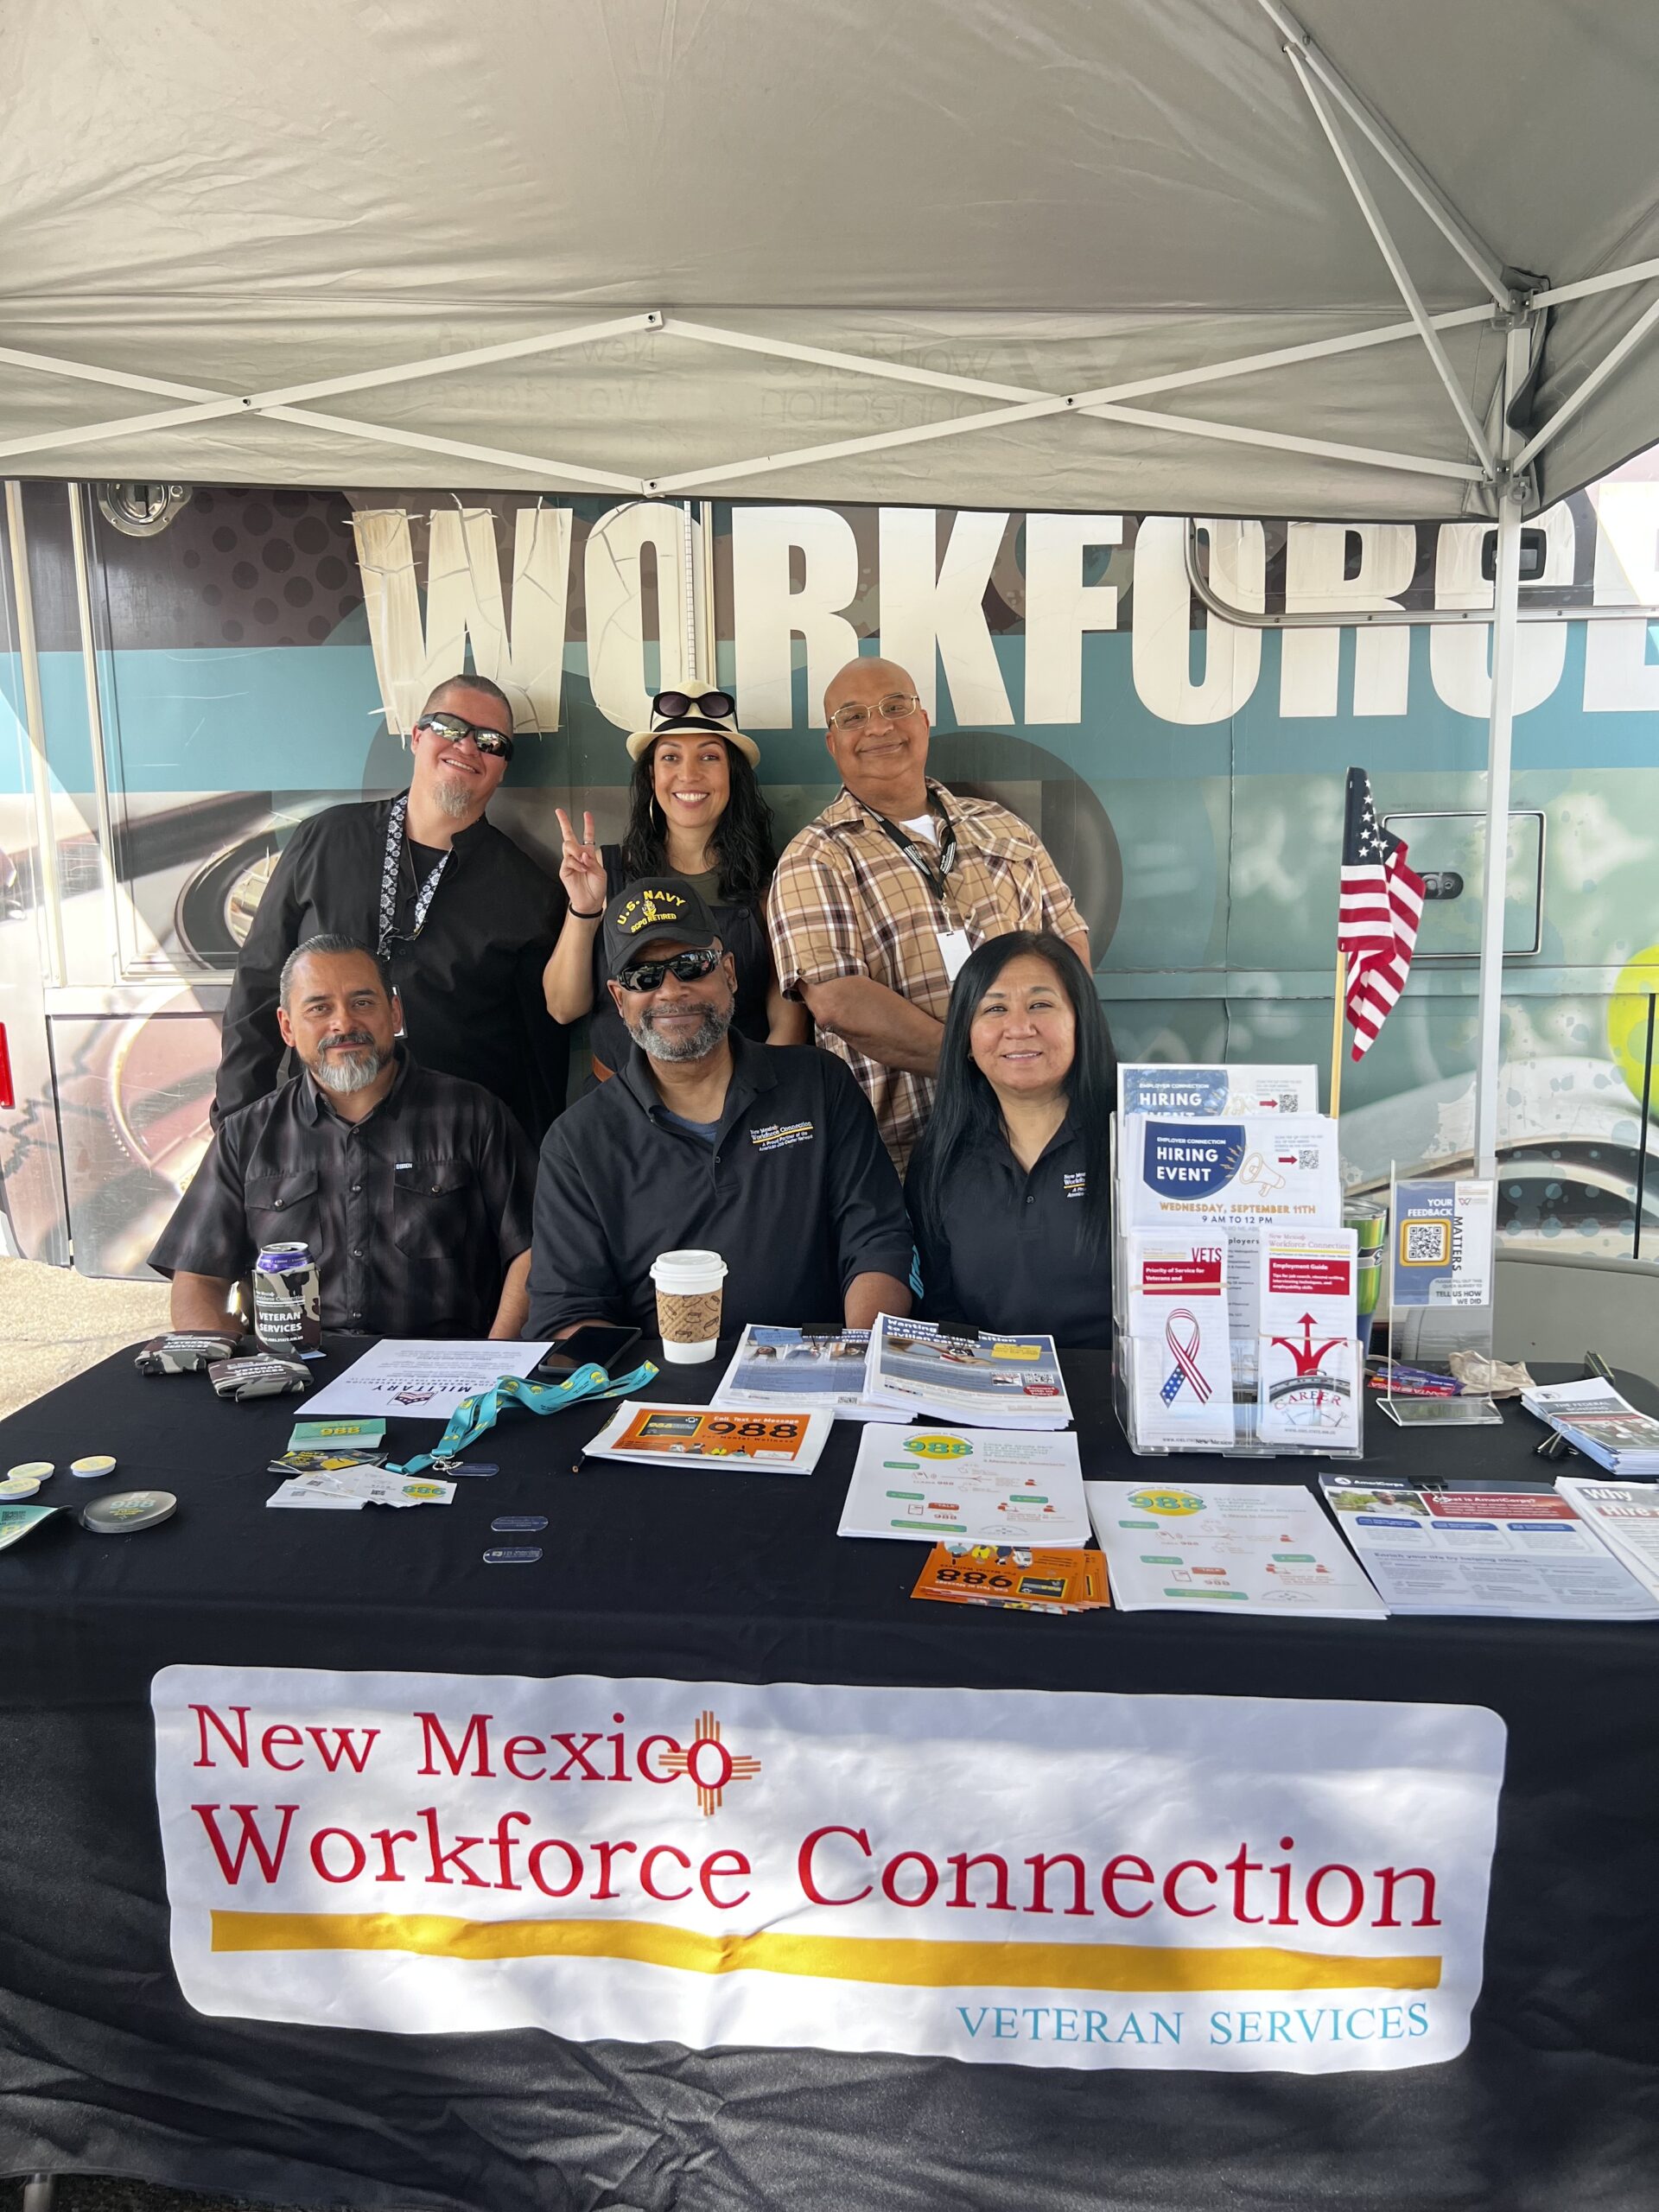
(1050, 1879)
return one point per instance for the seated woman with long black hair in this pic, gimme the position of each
(1009, 1190)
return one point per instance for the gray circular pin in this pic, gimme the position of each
(127, 1510)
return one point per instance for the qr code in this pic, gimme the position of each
(1425, 1243)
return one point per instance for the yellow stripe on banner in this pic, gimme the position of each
(907, 1961)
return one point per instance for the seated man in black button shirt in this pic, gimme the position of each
(766, 1155)
(411, 1189)
(464, 919)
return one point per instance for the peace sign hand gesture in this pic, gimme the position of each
(581, 870)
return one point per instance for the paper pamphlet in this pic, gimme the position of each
(988, 1381)
(1515, 1555)
(1261, 1171)
(1308, 1368)
(1228, 1548)
(1014, 1577)
(984, 1486)
(1181, 1382)
(728, 1440)
(802, 1367)
(335, 1492)
(1625, 1515)
(1601, 1422)
(1443, 1243)
(421, 1380)
(1188, 1088)
(18, 1522)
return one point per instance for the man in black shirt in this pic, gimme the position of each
(464, 919)
(412, 1190)
(768, 1155)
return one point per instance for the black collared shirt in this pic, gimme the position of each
(471, 982)
(796, 1194)
(412, 1215)
(1003, 1254)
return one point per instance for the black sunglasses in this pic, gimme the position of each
(675, 706)
(495, 742)
(684, 967)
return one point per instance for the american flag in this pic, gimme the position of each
(1380, 905)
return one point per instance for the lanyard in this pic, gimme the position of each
(934, 875)
(475, 1416)
(395, 819)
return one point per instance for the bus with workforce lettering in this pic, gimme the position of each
(188, 670)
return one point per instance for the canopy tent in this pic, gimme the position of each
(1181, 255)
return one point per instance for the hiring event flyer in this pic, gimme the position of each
(1190, 1088)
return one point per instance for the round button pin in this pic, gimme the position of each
(30, 1471)
(16, 1486)
(95, 1463)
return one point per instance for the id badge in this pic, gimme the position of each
(955, 945)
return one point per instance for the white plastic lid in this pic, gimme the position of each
(687, 1271)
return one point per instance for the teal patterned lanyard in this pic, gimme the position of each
(475, 1416)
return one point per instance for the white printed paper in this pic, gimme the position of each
(1308, 1391)
(349, 1493)
(996, 1382)
(1228, 1548)
(1625, 1515)
(1514, 1554)
(1182, 1380)
(801, 1367)
(980, 1487)
(1261, 1171)
(1166, 1271)
(1192, 1088)
(423, 1380)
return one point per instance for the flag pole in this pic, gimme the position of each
(1336, 1031)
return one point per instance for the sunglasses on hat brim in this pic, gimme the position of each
(711, 709)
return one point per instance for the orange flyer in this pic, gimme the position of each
(1011, 1576)
(712, 1433)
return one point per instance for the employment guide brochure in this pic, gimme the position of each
(816, 1368)
(1509, 1554)
(987, 1380)
(988, 1487)
(1226, 1548)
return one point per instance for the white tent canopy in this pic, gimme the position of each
(715, 237)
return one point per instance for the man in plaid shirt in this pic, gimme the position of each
(879, 902)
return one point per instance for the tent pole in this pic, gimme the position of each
(1506, 600)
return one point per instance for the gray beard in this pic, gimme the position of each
(452, 797)
(348, 1075)
(697, 1046)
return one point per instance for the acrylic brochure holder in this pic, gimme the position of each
(1440, 1288)
(1339, 1405)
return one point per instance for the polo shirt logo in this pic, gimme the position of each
(1075, 1183)
(777, 1134)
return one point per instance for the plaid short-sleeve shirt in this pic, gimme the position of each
(847, 901)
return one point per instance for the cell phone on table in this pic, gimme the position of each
(605, 1343)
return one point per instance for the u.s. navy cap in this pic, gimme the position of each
(655, 906)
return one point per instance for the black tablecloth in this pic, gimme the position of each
(102, 2067)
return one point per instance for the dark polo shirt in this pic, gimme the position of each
(1003, 1254)
(413, 1214)
(796, 1194)
(471, 982)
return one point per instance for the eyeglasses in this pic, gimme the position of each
(674, 706)
(494, 742)
(892, 708)
(684, 967)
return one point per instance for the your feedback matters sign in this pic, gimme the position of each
(1065, 1880)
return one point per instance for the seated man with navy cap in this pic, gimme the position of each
(768, 1155)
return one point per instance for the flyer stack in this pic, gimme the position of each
(1234, 1279)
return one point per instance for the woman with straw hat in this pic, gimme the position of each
(695, 810)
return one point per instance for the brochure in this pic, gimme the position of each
(985, 1486)
(1257, 1171)
(1625, 1515)
(1308, 1367)
(810, 1367)
(1182, 1381)
(725, 1439)
(1228, 1547)
(1015, 1578)
(1516, 1554)
(423, 1380)
(320, 1462)
(347, 1491)
(998, 1381)
(1599, 1422)
(1188, 1088)
(1164, 1271)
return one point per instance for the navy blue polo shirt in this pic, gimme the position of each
(1003, 1252)
(796, 1194)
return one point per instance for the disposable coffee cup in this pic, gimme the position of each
(688, 1304)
